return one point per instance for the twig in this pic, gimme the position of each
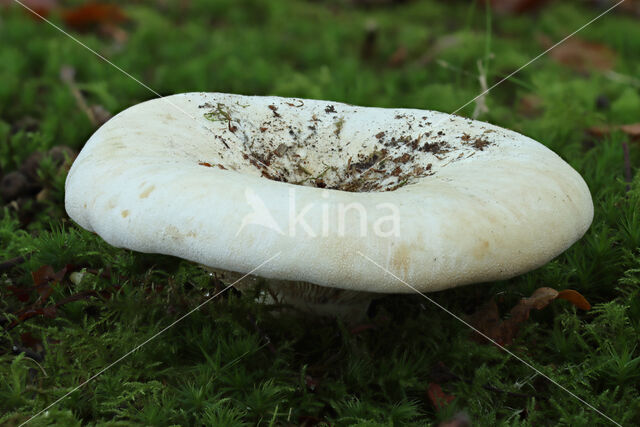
(481, 101)
(37, 357)
(97, 114)
(622, 78)
(51, 309)
(264, 336)
(369, 45)
(67, 75)
(10, 263)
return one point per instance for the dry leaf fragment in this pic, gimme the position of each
(631, 130)
(539, 299)
(23, 294)
(487, 318)
(43, 279)
(40, 7)
(438, 398)
(311, 382)
(103, 18)
(51, 310)
(91, 15)
(581, 55)
(575, 298)
(46, 274)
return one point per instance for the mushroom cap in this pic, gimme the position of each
(438, 200)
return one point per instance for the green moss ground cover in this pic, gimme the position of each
(233, 362)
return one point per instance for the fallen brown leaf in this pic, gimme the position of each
(311, 383)
(575, 298)
(539, 299)
(91, 15)
(487, 318)
(46, 274)
(23, 294)
(581, 55)
(631, 130)
(438, 398)
(41, 7)
(51, 310)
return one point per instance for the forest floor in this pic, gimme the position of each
(73, 305)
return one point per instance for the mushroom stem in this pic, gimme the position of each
(303, 297)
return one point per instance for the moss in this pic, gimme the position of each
(235, 362)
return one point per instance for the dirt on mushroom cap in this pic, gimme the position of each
(279, 141)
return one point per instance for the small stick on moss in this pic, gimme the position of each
(10, 263)
(67, 75)
(264, 336)
(36, 357)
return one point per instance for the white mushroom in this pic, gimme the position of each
(438, 200)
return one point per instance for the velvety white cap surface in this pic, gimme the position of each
(438, 200)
